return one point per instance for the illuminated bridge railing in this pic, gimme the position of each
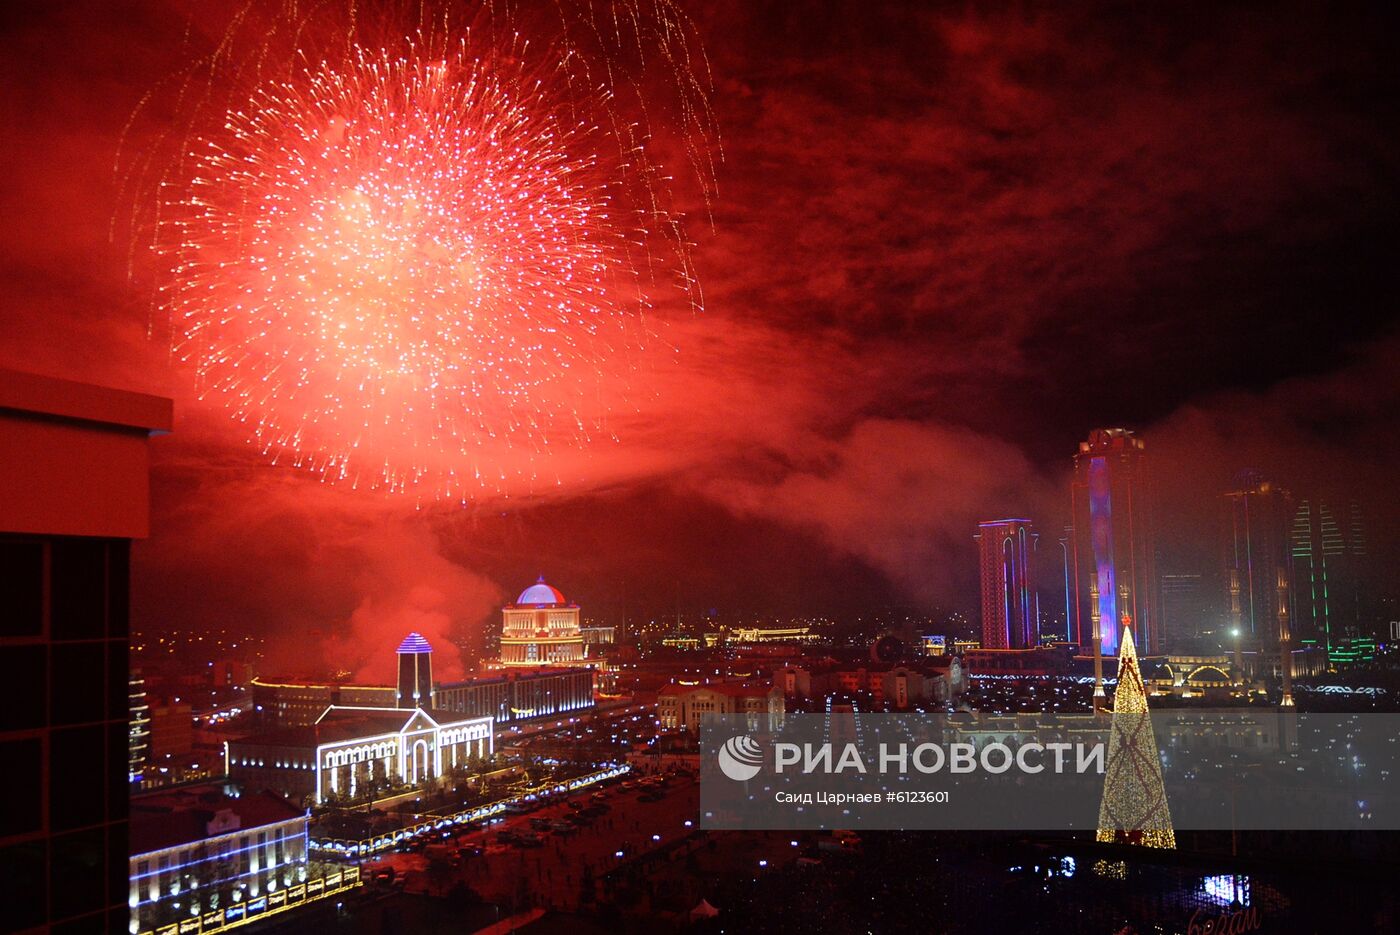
(354, 850)
(271, 904)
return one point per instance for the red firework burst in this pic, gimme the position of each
(400, 263)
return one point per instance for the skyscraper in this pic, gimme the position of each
(415, 672)
(1113, 543)
(1329, 552)
(1010, 606)
(74, 492)
(1255, 549)
(1186, 605)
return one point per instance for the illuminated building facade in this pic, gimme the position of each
(1112, 550)
(541, 628)
(172, 730)
(1255, 549)
(354, 752)
(1034, 660)
(894, 687)
(74, 492)
(138, 743)
(748, 635)
(1328, 541)
(1010, 605)
(520, 694)
(415, 688)
(285, 702)
(596, 640)
(680, 707)
(202, 861)
(1303, 662)
(1194, 669)
(505, 696)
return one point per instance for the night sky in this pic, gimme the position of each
(947, 242)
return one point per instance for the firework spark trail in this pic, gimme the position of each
(398, 263)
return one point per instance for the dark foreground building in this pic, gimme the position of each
(73, 494)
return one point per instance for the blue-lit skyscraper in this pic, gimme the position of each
(1112, 545)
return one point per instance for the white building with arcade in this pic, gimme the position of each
(355, 752)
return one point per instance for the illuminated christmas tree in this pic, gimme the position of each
(1134, 808)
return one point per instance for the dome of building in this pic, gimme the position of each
(414, 643)
(540, 594)
(1159, 670)
(1208, 675)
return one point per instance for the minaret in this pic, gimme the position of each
(1100, 699)
(1134, 806)
(1236, 621)
(1285, 641)
(415, 672)
(1125, 619)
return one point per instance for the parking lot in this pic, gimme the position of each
(551, 855)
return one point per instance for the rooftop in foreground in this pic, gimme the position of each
(83, 402)
(339, 724)
(171, 817)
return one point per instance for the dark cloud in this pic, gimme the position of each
(903, 497)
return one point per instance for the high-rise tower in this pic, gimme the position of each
(74, 493)
(1010, 605)
(1329, 556)
(1285, 640)
(1113, 543)
(1255, 550)
(415, 672)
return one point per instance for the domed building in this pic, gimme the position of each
(541, 629)
(1195, 669)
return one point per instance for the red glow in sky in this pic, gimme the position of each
(946, 243)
